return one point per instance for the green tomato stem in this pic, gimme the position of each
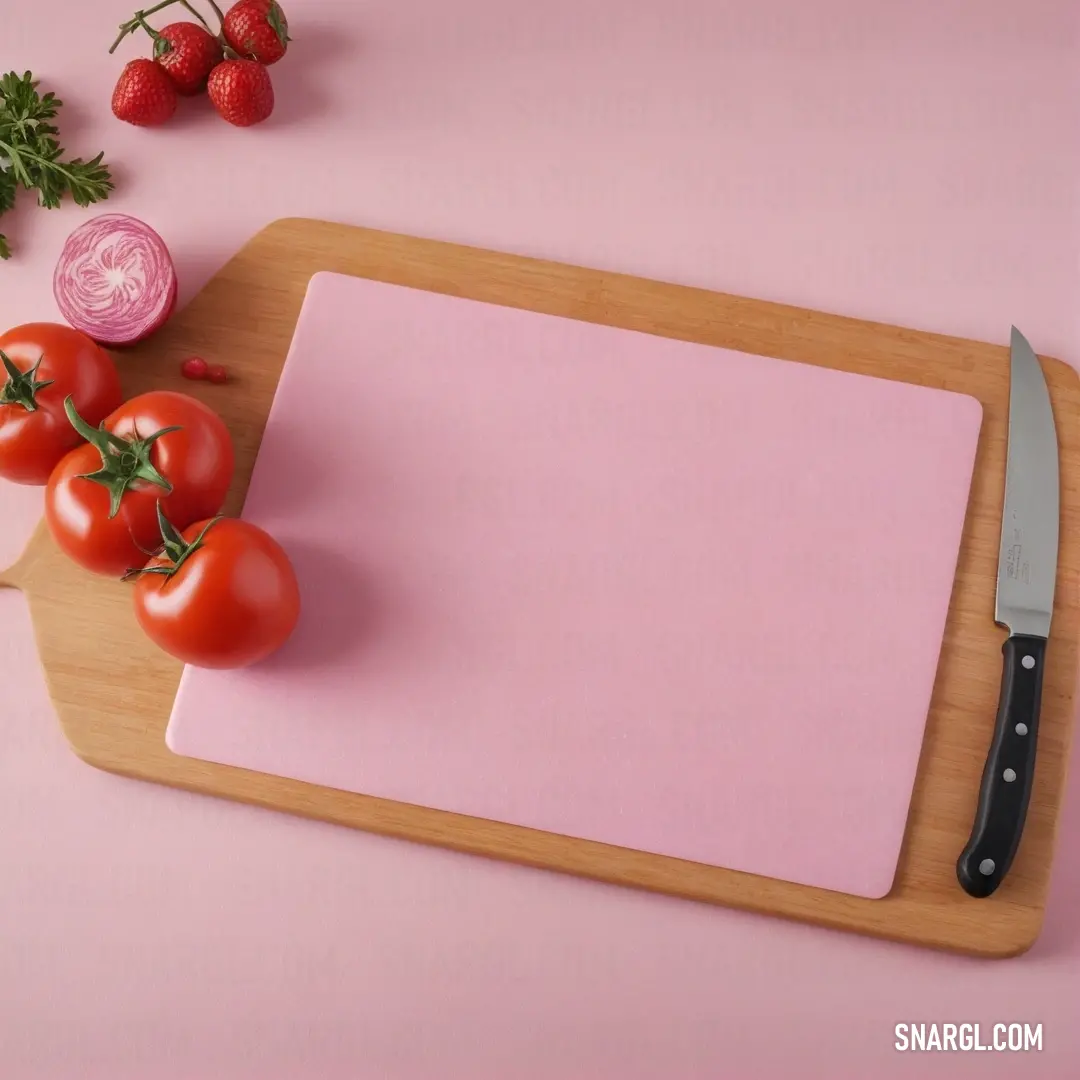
(174, 547)
(21, 387)
(123, 461)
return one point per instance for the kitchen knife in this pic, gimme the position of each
(1027, 569)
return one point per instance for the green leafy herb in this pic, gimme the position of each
(31, 157)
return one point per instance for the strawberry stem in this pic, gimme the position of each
(162, 46)
(139, 20)
(184, 3)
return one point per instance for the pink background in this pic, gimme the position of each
(916, 163)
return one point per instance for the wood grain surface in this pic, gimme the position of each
(113, 690)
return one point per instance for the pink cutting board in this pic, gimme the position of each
(576, 578)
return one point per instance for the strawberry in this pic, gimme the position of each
(188, 52)
(144, 94)
(257, 29)
(241, 92)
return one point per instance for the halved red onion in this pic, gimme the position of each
(115, 280)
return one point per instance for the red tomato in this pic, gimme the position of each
(34, 431)
(228, 600)
(110, 527)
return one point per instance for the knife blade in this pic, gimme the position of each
(1027, 571)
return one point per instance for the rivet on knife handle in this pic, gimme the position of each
(1010, 767)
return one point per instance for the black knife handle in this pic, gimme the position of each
(1010, 766)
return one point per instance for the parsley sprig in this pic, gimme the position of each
(31, 157)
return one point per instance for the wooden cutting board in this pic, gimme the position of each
(114, 691)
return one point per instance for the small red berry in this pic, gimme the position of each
(258, 30)
(144, 94)
(188, 52)
(241, 92)
(217, 374)
(194, 367)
